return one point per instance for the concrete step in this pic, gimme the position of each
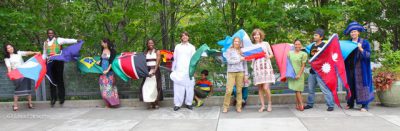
(168, 102)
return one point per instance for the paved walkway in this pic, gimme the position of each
(282, 118)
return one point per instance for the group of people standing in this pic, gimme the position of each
(357, 68)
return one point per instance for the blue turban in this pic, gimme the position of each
(354, 26)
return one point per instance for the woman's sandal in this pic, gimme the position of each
(30, 106)
(269, 109)
(15, 108)
(261, 109)
(301, 108)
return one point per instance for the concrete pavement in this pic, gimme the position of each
(208, 118)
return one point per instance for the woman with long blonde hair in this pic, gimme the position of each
(237, 69)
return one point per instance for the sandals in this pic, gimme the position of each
(15, 108)
(299, 108)
(269, 109)
(261, 109)
(30, 106)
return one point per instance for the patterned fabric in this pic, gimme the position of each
(262, 68)
(234, 62)
(360, 75)
(54, 48)
(107, 84)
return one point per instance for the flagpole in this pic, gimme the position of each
(41, 92)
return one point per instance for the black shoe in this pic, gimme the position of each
(176, 108)
(190, 107)
(308, 107)
(329, 109)
(62, 102)
(243, 104)
(52, 102)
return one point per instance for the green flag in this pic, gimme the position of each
(88, 65)
(204, 50)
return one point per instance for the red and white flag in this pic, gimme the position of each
(328, 63)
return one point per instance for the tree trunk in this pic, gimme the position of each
(396, 38)
(164, 24)
(233, 17)
(172, 26)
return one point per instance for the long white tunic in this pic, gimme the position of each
(183, 86)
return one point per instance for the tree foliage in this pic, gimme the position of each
(129, 23)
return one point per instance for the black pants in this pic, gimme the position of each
(57, 73)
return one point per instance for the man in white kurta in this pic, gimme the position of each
(183, 85)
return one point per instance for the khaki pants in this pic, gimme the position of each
(234, 78)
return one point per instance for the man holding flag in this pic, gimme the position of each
(183, 83)
(55, 68)
(314, 80)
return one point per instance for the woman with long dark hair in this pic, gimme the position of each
(107, 80)
(13, 59)
(298, 59)
(150, 89)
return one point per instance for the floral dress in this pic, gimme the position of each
(107, 83)
(262, 69)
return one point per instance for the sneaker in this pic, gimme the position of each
(243, 104)
(308, 107)
(330, 109)
(200, 103)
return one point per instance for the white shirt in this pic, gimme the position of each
(15, 60)
(60, 41)
(182, 55)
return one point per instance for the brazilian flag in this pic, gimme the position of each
(88, 65)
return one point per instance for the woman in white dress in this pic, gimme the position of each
(13, 59)
(150, 90)
(262, 69)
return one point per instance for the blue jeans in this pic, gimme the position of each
(245, 93)
(313, 81)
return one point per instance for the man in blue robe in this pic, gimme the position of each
(358, 69)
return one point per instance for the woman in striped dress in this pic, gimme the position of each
(262, 69)
(150, 89)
